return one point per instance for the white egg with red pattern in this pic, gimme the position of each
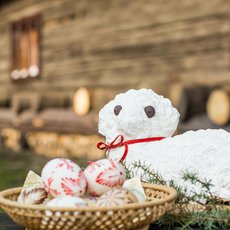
(63, 177)
(67, 201)
(103, 175)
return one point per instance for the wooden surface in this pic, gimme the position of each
(200, 122)
(7, 224)
(100, 44)
(193, 102)
(167, 46)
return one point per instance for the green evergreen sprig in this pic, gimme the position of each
(212, 214)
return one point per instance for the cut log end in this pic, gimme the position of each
(218, 107)
(81, 101)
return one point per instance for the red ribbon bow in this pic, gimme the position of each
(119, 142)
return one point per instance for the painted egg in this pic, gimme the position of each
(103, 175)
(67, 201)
(35, 194)
(116, 197)
(63, 177)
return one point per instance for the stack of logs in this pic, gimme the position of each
(202, 107)
(52, 144)
(65, 145)
(11, 139)
(53, 124)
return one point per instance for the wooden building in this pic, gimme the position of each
(49, 49)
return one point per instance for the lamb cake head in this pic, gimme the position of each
(138, 114)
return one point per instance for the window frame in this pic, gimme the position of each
(29, 22)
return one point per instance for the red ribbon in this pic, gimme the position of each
(119, 142)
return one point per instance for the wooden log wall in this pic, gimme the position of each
(113, 45)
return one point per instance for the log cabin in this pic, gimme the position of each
(50, 49)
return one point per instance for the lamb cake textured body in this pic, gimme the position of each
(142, 114)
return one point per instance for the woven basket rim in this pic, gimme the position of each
(171, 197)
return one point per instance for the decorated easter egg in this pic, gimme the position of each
(33, 190)
(67, 201)
(103, 175)
(63, 177)
(35, 194)
(116, 197)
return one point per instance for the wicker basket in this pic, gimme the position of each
(132, 216)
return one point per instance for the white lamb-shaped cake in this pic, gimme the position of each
(142, 113)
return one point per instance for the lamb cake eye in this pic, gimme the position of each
(150, 111)
(117, 109)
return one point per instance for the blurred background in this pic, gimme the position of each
(62, 60)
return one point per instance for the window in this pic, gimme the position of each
(26, 48)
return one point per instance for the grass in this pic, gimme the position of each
(15, 166)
